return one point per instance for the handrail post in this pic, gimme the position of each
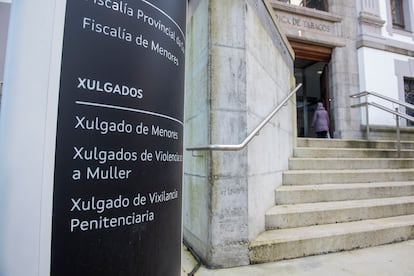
(367, 115)
(386, 109)
(398, 133)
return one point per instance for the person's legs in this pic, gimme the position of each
(322, 134)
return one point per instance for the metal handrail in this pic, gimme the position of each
(236, 147)
(367, 93)
(386, 109)
(389, 110)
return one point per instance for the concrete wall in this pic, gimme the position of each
(228, 114)
(269, 78)
(239, 69)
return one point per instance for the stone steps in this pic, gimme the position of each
(274, 245)
(339, 195)
(349, 163)
(350, 153)
(339, 192)
(311, 177)
(306, 214)
(341, 143)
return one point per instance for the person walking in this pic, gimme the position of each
(320, 121)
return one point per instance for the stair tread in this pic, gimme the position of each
(329, 230)
(367, 204)
(337, 205)
(351, 158)
(351, 149)
(347, 171)
(322, 187)
(361, 152)
(351, 140)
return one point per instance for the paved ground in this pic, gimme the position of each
(395, 259)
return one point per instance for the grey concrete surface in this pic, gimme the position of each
(394, 259)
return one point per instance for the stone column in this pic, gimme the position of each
(344, 70)
(369, 6)
(370, 21)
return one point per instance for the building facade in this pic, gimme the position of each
(326, 62)
(353, 46)
(339, 48)
(385, 52)
(243, 59)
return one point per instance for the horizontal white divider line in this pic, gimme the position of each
(123, 108)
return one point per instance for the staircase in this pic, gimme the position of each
(339, 195)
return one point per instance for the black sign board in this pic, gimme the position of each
(118, 165)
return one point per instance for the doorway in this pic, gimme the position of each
(314, 76)
(312, 70)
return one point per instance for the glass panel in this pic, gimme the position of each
(397, 13)
(312, 4)
(409, 97)
(310, 74)
(316, 4)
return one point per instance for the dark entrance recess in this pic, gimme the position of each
(312, 70)
(321, 5)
